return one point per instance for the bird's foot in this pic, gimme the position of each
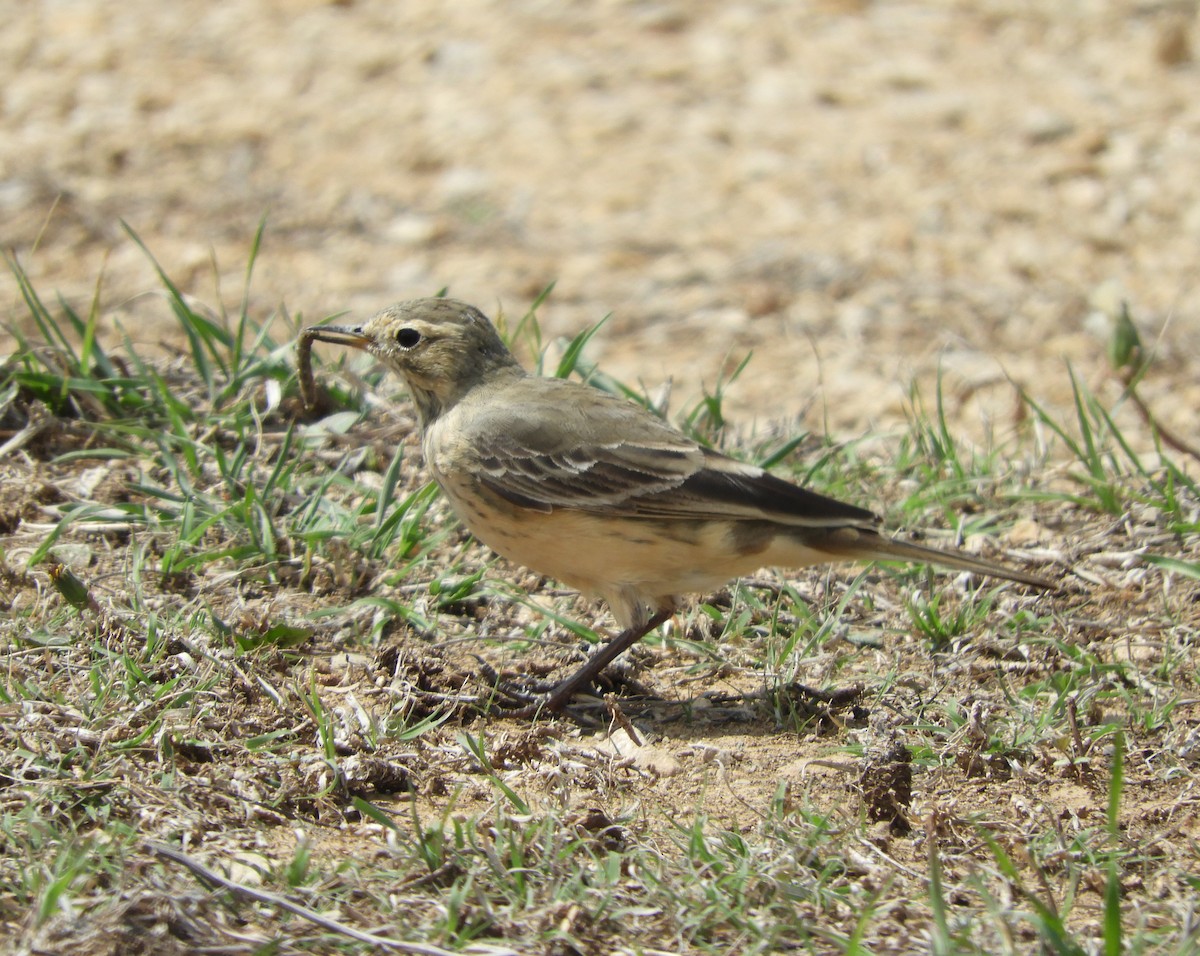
(503, 695)
(531, 698)
(560, 695)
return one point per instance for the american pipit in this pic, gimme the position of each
(596, 491)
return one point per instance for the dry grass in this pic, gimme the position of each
(251, 639)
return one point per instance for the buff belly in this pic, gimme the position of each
(636, 565)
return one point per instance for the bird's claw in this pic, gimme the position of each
(510, 700)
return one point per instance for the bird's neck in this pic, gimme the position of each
(435, 399)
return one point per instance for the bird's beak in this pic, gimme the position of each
(352, 336)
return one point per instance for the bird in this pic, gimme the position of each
(597, 491)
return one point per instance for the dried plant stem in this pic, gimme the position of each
(272, 899)
(1129, 378)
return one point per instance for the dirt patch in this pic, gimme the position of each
(859, 193)
(863, 194)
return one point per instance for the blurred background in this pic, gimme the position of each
(858, 193)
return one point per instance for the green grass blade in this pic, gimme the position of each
(1113, 931)
(207, 341)
(574, 350)
(1188, 569)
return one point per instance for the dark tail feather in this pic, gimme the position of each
(888, 549)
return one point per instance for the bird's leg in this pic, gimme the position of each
(557, 699)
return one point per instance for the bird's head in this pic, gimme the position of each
(442, 349)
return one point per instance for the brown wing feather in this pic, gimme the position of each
(613, 457)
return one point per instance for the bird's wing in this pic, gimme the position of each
(580, 454)
(572, 446)
(725, 486)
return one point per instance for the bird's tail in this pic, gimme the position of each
(889, 549)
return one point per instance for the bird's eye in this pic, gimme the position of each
(407, 338)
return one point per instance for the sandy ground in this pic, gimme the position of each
(857, 192)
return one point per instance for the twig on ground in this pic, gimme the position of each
(272, 899)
